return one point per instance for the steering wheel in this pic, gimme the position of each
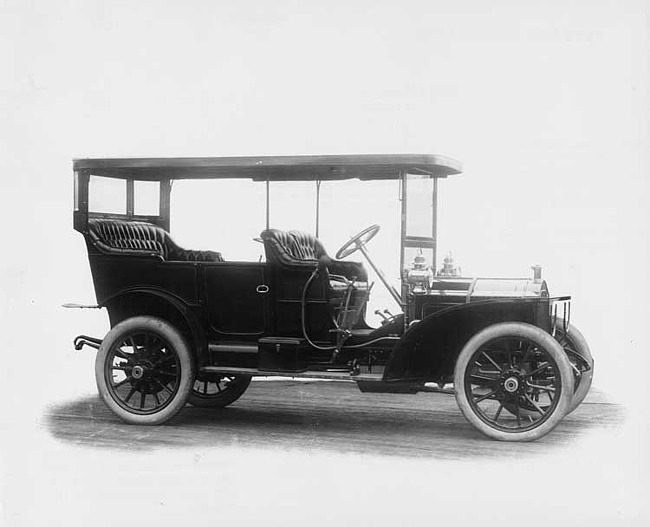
(357, 242)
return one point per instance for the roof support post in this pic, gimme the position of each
(435, 224)
(268, 204)
(318, 182)
(165, 203)
(80, 214)
(402, 178)
(130, 199)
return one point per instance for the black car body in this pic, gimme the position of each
(301, 313)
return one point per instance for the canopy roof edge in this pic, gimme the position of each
(272, 168)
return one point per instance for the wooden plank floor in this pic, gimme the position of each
(321, 416)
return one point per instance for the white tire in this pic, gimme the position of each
(517, 365)
(144, 370)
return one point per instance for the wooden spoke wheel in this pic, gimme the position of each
(577, 350)
(514, 367)
(144, 370)
(582, 364)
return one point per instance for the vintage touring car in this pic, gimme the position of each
(188, 326)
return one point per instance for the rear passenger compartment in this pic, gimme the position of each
(130, 237)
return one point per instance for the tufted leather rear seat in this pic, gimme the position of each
(142, 238)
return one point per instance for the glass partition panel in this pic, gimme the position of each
(419, 206)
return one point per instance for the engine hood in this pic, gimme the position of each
(489, 287)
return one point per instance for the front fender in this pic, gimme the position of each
(428, 350)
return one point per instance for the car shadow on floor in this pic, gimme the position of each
(320, 417)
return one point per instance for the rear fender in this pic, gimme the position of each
(152, 302)
(429, 349)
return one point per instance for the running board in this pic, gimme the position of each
(367, 382)
(327, 375)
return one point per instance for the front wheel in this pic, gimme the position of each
(144, 370)
(582, 363)
(513, 366)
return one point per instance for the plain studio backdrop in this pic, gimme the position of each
(545, 104)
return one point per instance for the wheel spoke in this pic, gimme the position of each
(163, 386)
(483, 371)
(486, 378)
(576, 369)
(508, 349)
(159, 343)
(143, 396)
(528, 348)
(545, 388)
(132, 342)
(496, 416)
(205, 387)
(166, 373)
(535, 405)
(130, 394)
(541, 368)
(123, 381)
(119, 353)
(485, 396)
(492, 361)
(163, 360)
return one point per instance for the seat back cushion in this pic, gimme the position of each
(292, 247)
(139, 237)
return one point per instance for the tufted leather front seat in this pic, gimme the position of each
(291, 257)
(142, 238)
(294, 248)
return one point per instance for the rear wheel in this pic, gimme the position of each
(144, 370)
(217, 391)
(513, 366)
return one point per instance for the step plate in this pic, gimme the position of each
(329, 375)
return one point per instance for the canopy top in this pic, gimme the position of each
(272, 168)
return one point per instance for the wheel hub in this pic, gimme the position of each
(137, 372)
(511, 384)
